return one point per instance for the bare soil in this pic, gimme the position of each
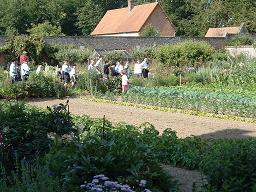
(185, 125)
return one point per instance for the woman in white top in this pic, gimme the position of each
(73, 75)
(137, 69)
(119, 68)
(24, 71)
(13, 71)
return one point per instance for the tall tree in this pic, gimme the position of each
(88, 16)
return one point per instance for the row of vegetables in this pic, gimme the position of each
(197, 100)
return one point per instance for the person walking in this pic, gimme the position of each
(24, 57)
(144, 66)
(127, 69)
(65, 73)
(106, 71)
(91, 66)
(137, 69)
(119, 68)
(13, 71)
(72, 75)
(125, 84)
(24, 71)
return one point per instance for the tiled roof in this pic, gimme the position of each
(124, 21)
(222, 32)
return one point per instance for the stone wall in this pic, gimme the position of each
(127, 43)
(124, 43)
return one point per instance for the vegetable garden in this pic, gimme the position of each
(51, 150)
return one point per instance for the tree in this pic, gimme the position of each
(89, 16)
(45, 29)
(150, 31)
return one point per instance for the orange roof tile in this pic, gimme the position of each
(222, 32)
(124, 21)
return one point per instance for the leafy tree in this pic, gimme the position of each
(45, 29)
(89, 16)
(150, 31)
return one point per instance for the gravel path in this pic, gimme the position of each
(184, 125)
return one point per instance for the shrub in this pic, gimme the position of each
(141, 53)
(29, 177)
(230, 165)
(120, 152)
(36, 47)
(25, 132)
(184, 54)
(115, 56)
(74, 55)
(45, 29)
(166, 81)
(243, 39)
(150, 31)
(36, 86)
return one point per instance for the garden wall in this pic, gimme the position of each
(125, 43)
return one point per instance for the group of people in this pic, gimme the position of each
(19, 69)
(67, 73)
(141, 69)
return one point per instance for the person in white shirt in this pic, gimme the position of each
(65, 73)
(73, 75)
(137, 69)
(91, 66)
(119, 68)
(125, 84)
(144, 66)
(13, 71)
(24, 71)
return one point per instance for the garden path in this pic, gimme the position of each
(185, 125)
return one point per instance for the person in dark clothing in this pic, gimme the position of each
(106, 71)
(113, 70)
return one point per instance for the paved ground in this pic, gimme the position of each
(184, 125)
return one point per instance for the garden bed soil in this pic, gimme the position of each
(185, 125)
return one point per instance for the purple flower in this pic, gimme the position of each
(82, 186)
(143, 183)
(95, 181)
(98, 176)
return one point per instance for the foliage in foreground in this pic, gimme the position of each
(121, 152)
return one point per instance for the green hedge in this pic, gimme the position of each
(184, 54)
(36, 86)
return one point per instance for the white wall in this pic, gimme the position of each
(250, 51)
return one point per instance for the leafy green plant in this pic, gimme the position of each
(197, 100)
(45, 29)
(28, 132)
(38, 85)
(30, 178)
(184, 54)
(150, 31)
(74, 55)
(36, 47)
(243, 39)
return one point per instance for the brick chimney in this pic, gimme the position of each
(130, 5)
